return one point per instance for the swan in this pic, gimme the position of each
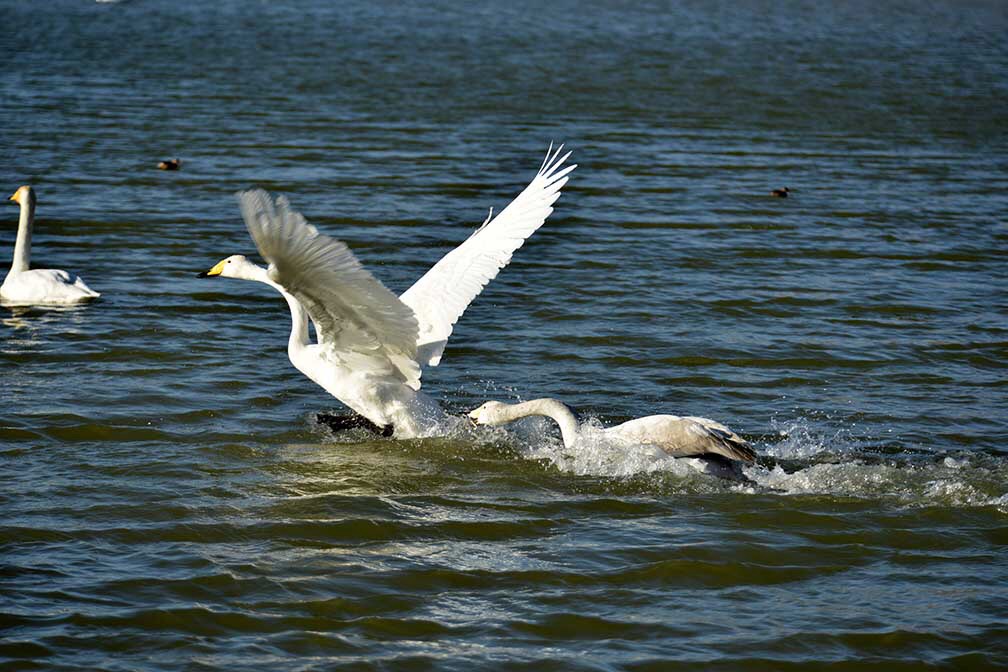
(678, 436)
(373, 346)
(38, 286)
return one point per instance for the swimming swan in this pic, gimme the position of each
(677, 436)
(372, 346)
(38, 286)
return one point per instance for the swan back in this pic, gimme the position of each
(684, 436)
(44, 287)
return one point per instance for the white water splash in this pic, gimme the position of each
(803, 439)
(925, 484)
(842, 465)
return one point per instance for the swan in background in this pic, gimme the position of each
(372, 346)
(678, 436)
(39, 286)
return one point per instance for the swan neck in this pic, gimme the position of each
(551, 408)
(299, 316)
(299, 324)
(22, 246)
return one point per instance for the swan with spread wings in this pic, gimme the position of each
(373, 346)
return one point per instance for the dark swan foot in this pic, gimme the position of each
(339, 423)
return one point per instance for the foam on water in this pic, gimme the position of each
(913, 485)
(830, 459)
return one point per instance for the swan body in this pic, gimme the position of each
(373, 346)
(39, 286)
(678, 436)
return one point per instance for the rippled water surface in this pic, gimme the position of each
(167, 500)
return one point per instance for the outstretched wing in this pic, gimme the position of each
(441, 296)
(356, 317)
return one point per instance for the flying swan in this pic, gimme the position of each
(373, 346)
(678, 436)
(38, 286)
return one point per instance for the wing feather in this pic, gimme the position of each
(441, 296)
(355, 315)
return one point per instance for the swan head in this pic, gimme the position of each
(488, 414)
(235, 266)
(24, 195)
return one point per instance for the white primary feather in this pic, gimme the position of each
(441, 296)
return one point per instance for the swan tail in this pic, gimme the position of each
(87, 291)
(733, 446)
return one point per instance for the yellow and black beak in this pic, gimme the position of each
(216, 270)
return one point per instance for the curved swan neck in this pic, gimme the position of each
(299, 316)
(299, 324)
(551, 408)
(22, 246)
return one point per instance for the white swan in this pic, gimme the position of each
(678, 436)
(39, 286)
(372, 345)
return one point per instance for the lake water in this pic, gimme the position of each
(168, 502)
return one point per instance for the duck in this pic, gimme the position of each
(677, 436)
(24, 286)
(371, 347)
(780, 193)
(170, 164)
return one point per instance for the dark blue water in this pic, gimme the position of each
(167, 500)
